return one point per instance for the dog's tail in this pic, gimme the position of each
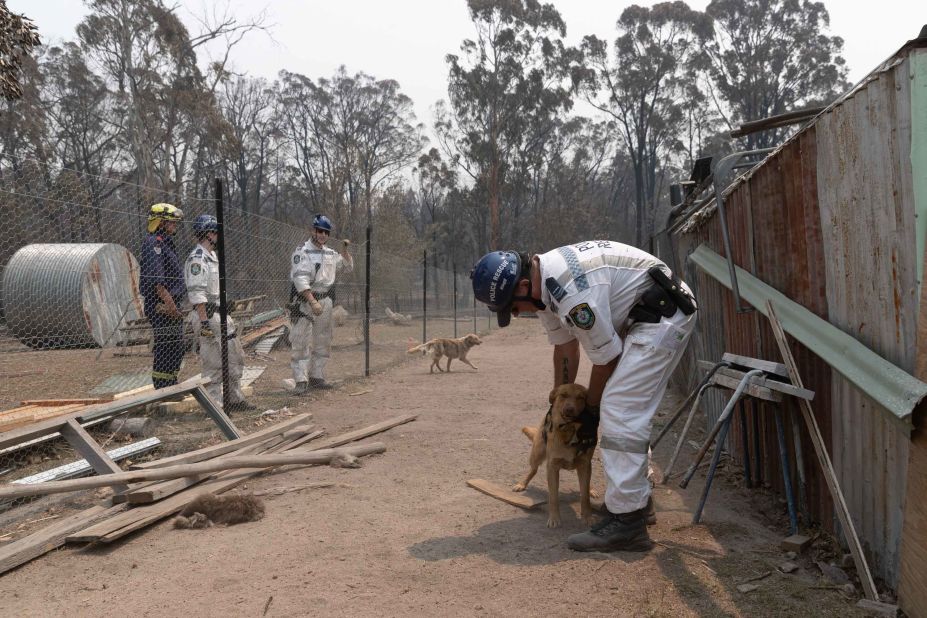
(531, 432)
(419, 348)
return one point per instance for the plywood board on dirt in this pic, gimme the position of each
(528, 499)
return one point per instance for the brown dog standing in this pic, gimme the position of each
(451, 348)
(566, 439)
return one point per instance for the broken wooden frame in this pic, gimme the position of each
(71, 429)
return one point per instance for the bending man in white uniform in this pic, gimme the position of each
(313, 271)
(201, 275)
(633, 320)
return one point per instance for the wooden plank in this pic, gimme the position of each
(65, 402)
(763, 381)
(527, 499)
(143, 516)
(751, 389)
(366, 432)
(755, 363)
(51, 537)
(843, 513)
(84, 444)
(44, 428)
(227, 447)
(226, 426)
(162, 489)
(171, 472)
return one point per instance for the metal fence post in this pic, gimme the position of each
(424, 295)
(454, 271)
(223, 306)
(367, 304)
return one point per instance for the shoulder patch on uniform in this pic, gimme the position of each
(582, 316)
(195, 269)
(296, 258)
(556, 292)
(156, 249)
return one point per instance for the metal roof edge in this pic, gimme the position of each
(895, 390)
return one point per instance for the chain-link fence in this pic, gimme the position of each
(82, 321)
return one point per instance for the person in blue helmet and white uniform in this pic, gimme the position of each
(633, 319)
(313, 269)
(201, 275)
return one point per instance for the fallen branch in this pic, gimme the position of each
(173, 472)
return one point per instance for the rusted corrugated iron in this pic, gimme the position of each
(828, 220)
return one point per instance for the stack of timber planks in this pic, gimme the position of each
(33, 411)
(146, 503)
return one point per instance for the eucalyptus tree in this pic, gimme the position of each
(772, 56)
(510, 81)
(643, 85)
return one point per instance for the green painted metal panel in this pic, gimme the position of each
(918, 63)
(894, 389)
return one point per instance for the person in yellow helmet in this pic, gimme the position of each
(162, 284)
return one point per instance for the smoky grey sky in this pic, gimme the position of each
(407, 40)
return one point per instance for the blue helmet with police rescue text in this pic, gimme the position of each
(321, 222)
(494, 279)
(205, 223)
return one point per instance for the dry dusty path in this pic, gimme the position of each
(405, 536)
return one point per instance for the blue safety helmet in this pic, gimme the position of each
(205, 223)
(494, 278)
(321, 222)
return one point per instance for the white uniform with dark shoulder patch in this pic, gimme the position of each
(313, 268)
(589, 289)
(201, 276)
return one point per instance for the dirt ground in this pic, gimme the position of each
(404, 535)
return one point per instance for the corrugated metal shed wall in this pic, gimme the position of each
(827, 220)
(867, 206)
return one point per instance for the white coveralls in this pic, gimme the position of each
(589, 289)
(201, 275)
(313, 268)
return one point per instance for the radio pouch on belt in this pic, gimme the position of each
(673, 290)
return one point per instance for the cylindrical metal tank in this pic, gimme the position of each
(68, 295)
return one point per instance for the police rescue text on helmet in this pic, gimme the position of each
(494, 279)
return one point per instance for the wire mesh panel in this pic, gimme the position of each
(99, 300)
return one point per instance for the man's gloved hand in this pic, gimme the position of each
(316, 307)
(594, 410)
(206, 329)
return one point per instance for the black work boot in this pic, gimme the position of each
(301, 388)
(622, 532)
(242, 406)
(651, 512)
(320, 383)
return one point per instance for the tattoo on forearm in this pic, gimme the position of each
(566, 370)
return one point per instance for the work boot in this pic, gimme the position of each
(651, 512)
(301, 388)
(320, 384)
(242, 406)
(621, 532)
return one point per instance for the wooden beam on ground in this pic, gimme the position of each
(162, 489)
(142, 516)
(65, 402)
(51, 537)
(227, 447)
(226, 426)
(843, 513)
(216, 465)
(527, 499)
(84, 444)
(38, 430)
